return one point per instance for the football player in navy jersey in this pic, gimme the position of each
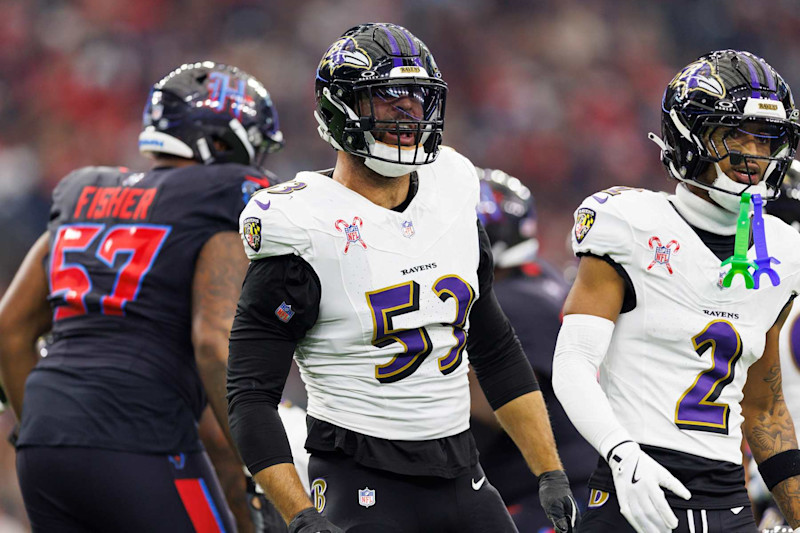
(679, 302)
(137, 278)
(371, 274)
(531, 292)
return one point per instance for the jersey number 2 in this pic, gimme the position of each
(70, 282)
(697, 409)
(400, 299)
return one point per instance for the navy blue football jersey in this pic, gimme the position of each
(120, 371)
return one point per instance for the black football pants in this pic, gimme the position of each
(607, 519)
(365, 500)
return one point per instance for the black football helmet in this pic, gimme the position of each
(200, 103)
(506, 209)
(721, 96)
(381, 65)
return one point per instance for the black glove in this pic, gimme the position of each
(265, 517)
(557, 501)
(310, 521)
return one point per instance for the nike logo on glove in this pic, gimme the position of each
(477, 485)
(633, 476)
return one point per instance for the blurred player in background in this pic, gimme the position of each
(137, 277)
(371, 274)
(531, 293)
(684, 330)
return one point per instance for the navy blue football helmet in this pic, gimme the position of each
(506, 210)
(375, 65)
(199, 104)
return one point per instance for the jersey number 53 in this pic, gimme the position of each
(403, 298)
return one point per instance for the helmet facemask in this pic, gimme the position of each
(756, 149)
(394, 124)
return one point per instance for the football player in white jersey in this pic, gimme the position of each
(371, 274)
(687, 347)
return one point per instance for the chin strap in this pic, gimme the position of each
(739, 262)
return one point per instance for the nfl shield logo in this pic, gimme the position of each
(352, 232)
(662, 255)
(284, 312)
(408, 229)
(662, 252)
(366, 497)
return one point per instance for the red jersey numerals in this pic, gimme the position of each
(70, 281)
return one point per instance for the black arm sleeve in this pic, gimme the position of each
(495, 352)
(278, 305)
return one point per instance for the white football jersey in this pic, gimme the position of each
(386, 355)
(790, 363)
(677, 362)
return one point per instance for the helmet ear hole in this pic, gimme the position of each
(326, 113)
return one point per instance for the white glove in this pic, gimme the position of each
(638, 480)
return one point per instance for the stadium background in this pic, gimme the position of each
(559, 93)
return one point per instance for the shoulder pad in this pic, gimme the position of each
(605, 221)
(266, 229)
(454, 175)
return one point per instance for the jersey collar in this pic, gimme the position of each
(701, 213)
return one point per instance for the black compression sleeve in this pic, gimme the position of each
(495, 352)
(278, 304)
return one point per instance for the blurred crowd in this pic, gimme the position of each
(559, 93)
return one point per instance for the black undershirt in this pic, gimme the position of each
(261, 349)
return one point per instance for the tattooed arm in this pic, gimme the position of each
(218, 276)
(768, 426)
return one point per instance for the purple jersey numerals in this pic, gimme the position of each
(697, 408)
(459, 290)
(390, 302)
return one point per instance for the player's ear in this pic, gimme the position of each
(220, 145)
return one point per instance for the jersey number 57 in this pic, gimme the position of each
(70, 283)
